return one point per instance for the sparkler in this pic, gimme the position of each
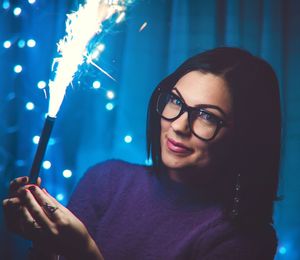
(81, 27)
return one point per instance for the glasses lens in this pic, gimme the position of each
(168, 105)
(204, 124)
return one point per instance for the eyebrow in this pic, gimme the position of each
(203, 105)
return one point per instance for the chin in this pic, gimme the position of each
(179, 162)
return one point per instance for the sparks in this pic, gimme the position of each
(81, 27)
(143, 26)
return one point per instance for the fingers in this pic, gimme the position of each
(17, 183)
(47, 202)
(18, 219)
(35, 208)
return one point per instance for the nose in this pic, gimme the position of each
(181, 125)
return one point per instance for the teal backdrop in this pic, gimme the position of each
(95, 124)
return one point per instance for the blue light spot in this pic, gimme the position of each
(60, 197)
(7, 44)
(17, 11)
(21, 43)
(46, 165)
(282, 250)
(20, 163)
(5, 4)
(31, 43)
(148, 162)
(96, 84)
(31, 2)
(36, 139)
(109, 106)
(29, 106)
(127, 139)
(41, 84)
(67, 173)
(52, 141)
(18, 68)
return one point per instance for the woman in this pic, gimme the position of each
(214, 138)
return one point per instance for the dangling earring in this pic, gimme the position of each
(236, 199)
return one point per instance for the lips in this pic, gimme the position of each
(177, 147)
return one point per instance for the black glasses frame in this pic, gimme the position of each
(190, 110)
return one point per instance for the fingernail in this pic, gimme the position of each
(32, 188)
(24, 179)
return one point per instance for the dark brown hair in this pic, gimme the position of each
(257, 131)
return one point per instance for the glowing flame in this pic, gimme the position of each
(81, 27)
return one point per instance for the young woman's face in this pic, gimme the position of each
(180, 148)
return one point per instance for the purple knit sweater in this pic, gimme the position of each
(131, 214)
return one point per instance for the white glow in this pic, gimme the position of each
(7, 44)
(96, 84)
(31, 1)
(101, 47)
(31, 43)
(127, 139)
(6, 4)
(46, 165)
(120, 17)
(21, 43)
(36, 139)
(109, 106)
(59, 197)
(41, 84)
(81, 26)
(29, 106)
(110, 94)
(67, 173)
(95, 54)
(18, 69)
(17, 11)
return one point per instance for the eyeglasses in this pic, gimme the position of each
(202, 123)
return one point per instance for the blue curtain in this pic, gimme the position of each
(88, 130)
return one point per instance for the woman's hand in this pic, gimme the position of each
(17, 217)
(51, 226)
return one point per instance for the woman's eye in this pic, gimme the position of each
(175, 101)
(206, 116)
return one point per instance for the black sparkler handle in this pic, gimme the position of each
(41, 149)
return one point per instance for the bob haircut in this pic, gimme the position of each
(256, 132)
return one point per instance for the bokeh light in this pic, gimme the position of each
(67, 173)
(18, 69)
(46, 165)
(17, 11)
(29, 106)
(128, 139)
(7, 44)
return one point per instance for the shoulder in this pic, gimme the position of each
(224, 240)
(114, 167)
(112, 173)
